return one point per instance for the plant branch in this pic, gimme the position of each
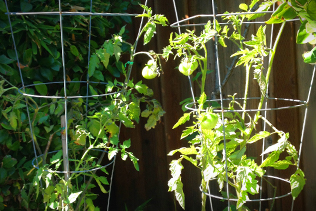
(231, 68)
(269, 69)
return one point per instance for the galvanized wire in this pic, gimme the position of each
(222, 106)
(71, 13)
(304, 125)
(265, 112)
(254, 200)
(300, 103)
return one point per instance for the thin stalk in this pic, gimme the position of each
(203, 182)
(88, 150)
(269, 69)
(246, 91)
(87, 184)
(204, 196)
(204, 69)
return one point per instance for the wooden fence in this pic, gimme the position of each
(290, 79)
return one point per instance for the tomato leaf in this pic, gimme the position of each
(175, 183)
(310, 57)
(182, 120)
(297, 181)
(56, 157)
(243, 6)
(311, 9)
(104, 57)
(73, 196)
(187, 132)
(258, 136)
(150, 29)
(134, 111)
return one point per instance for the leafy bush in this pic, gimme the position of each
(37, 39)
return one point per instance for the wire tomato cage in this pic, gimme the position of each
(221, 104)
(65, 97)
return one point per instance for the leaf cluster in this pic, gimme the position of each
(39, 51)
(306, 11)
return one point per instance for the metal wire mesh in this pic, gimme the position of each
(184, 23)
(65, 97)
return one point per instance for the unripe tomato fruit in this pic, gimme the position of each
(209, 121)
(150, 70)
(187, 67)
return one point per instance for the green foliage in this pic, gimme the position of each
(306, 11)
(297, 182)
(207, 149)
(99, 128)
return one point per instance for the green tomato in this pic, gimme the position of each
(209, 121)
(150, 70)
(187, 68)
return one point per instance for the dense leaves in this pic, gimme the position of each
(218, 146)
(38, 42)
(306, 11)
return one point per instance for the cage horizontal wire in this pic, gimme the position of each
(198, 20)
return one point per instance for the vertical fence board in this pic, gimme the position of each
(304, 76)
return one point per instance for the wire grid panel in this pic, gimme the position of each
(194, 22)
(64, 96)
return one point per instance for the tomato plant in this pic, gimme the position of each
(218, 146)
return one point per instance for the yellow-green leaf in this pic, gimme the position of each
(13, 120)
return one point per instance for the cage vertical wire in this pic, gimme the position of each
(22, 90)
(185, 23)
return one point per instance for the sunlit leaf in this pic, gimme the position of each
(56, 157)
(182, 120)
(73, 196)
(310, 57)
(150, 30)
(258, 136)
(243, 6)
(297, 181)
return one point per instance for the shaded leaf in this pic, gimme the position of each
(94, 62)
(74, 50)
(25, 6)
(13, 120)
(40, 87)
(5, 60)
(3, 175)
(9, 162)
